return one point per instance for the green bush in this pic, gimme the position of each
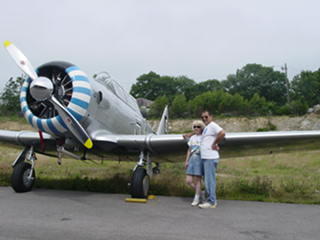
(157, 107)
(269, 127)
(223, 103)
(179, 107)
(295, 107)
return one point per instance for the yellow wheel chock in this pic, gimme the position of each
(140, 200)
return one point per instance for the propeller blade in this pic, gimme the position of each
(73, 125)
(21, 60)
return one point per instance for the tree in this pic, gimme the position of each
(202, 87)
(202, 102)
(183, 84)
(212, 101)
(152, 85)
(306, 86)
(233, 105)
(255, 78)
(259, 105)
(179, 107)
(164, 86)
(144, 88)
(10, 102)
(231, 84)
(158, 106)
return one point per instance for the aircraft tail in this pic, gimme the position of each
(163, 125)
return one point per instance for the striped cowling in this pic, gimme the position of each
(77, 104)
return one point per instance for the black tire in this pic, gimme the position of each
(140, 183)
(19, 181)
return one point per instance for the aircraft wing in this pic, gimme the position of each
(134, 143)
(165, 143)
(263, 137)
(25, 138)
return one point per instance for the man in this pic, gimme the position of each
(212, 135)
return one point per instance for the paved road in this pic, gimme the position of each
(48, 214)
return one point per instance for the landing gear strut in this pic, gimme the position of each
(23, 175)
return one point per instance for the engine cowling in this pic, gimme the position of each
(71, 87)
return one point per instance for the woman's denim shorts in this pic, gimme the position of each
(195, 166)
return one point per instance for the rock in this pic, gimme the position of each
(316, 108)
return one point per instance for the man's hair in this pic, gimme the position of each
(208, 111)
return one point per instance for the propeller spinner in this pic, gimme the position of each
(41, 89)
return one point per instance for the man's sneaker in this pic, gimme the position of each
(195, 203)
(207, 205)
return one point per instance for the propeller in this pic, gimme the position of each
(41, 89)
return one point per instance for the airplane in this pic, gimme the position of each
(76, 115)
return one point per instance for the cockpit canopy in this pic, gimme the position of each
(105, 79)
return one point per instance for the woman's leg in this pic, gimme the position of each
(189, 181)
(197, 188)
(197, 184)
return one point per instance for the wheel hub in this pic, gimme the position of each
(27, 180)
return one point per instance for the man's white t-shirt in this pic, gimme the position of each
(209, 135)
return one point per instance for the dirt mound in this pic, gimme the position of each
(252, 124)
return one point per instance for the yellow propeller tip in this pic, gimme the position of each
(88, 144)
(7, 43)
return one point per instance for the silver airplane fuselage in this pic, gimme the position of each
(110, 113)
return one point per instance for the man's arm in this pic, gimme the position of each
(188, 135)
(219, 138)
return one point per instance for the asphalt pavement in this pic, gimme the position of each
(50, 214)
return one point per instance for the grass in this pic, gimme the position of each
(283, 177)
(14, 122)
(12, 118)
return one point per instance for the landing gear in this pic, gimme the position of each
(140, 181)
(23, 175)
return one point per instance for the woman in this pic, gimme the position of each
(193, 162)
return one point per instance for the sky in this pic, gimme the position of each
(203, 39)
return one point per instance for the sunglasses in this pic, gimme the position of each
(204, 117)
(196, 127)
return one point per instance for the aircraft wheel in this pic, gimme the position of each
(20, 180)
(140, 183)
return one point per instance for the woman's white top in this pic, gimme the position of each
(194, 143)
